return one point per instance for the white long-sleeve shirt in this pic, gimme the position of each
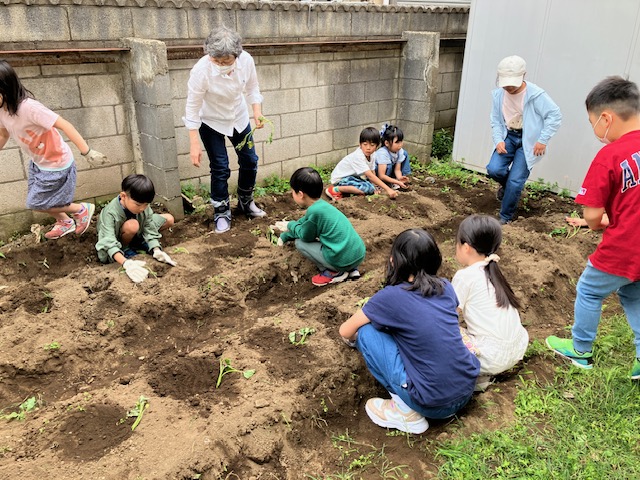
(217, 100)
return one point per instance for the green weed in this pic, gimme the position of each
(248, 138)
(53, 346)
(442, 144)
(272, 185)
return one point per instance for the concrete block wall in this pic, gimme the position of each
(92, 98)
(448, 83)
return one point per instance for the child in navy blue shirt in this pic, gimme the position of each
(409, 337)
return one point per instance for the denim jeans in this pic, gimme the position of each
(511, 171)
(381, 354)
(593, 287)
(216, 149)
(405, 167)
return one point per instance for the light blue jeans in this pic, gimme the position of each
(511, 171)
(593, 287)
(381, 354)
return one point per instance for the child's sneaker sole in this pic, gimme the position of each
(321, 280)
(379, 412)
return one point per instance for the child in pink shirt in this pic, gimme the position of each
(52, 170)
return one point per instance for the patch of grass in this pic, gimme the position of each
(446, 169)
(361, 460)
(584, 425)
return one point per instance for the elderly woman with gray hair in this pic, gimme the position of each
(216, 108)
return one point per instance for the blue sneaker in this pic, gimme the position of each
(635, 370)
(564, 348)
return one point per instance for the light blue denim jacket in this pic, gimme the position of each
(540, 120)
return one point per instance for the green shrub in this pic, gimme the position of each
(442, 145)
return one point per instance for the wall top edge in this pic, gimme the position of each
(250, 5)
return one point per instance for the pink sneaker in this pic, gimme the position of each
(60, 229)
(83, 218)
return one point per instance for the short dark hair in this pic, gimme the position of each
(11, 88)
(390, 133)
(415, 253)
(307, 180)
(484, 234)
(139, 188)
(617, 94)
(370, 134)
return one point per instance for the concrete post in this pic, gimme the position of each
(417, 91)
(151, 91)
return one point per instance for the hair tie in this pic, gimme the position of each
(493, 258)
(384, 129)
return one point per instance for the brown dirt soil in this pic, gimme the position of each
(236, 296)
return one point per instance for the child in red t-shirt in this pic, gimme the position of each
(609, 189)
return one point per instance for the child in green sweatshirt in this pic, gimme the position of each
(323, 235)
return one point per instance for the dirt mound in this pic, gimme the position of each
(87, 343)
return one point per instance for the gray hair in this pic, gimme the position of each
(223, 42)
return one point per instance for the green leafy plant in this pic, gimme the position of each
(272, 236)
(53, 346)
(361, 303)
(256, 232)
(28, 405)
(442, 144)
(180, 250)
(226, 367)
(303, 333)
(273, 184)
(248, 138)
(138, 411)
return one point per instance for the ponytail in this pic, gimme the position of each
(504, 293)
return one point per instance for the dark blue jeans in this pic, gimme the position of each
(214, 144)
(511, 171)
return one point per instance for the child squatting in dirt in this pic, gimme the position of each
(409, 338)
(52, 169)
(128, 224)
(355, 173)
(392, 161)
(324, 235)
(611, 200)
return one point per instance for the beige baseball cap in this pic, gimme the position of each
(511, 71)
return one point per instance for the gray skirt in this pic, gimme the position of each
(50, 189)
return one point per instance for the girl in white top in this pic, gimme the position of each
(487, 302)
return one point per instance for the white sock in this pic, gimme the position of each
(403, 407)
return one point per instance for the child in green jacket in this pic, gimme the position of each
(323, 235)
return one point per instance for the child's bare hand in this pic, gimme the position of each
(392, 193)
(401, 184)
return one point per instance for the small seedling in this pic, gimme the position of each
(44, 263)
(180, 250)
(248, 138)
(141, 405)
(272, 236)
(256, 232)
(556, 232)
(303, 333)
(53, 346)
(2, 255)
(28, 405)
(362, 302)
(226, 367)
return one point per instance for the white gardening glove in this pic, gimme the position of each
(280, 243)
(282, 226)
(163, 257)
(95, 158)
(135, 270)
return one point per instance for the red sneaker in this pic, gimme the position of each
(328, 277)
(333, 194)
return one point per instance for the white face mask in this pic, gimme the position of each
(225, 69)
(603, 139)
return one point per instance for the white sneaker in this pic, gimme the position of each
(223, 224)
(385, 413)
